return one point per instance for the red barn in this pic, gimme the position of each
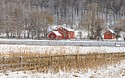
(110, 34)
(54, 35)
(62, 33)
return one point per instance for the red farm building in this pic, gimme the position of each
(61, 33)
(110, 34)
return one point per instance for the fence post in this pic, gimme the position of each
(4, 59)
(105, 60)
(77, 64)
(119, 58)
(50, 62)
(64, 61)
(21, 61)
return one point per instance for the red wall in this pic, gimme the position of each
(54, 36)
(71, 33)
(109, 35)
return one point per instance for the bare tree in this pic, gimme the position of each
(99, 27)
(89, 18)
(40, 20)
(33, 16)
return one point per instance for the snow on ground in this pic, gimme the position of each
(4, 48)
(111, 71)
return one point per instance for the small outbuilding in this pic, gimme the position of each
(110, 34)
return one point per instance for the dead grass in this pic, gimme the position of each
(55, 62)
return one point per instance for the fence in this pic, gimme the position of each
(56, 62)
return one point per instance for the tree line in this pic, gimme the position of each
(19, 18)
(31, 18)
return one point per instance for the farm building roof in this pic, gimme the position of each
(111, 31)
(57, 33)
(55, 27)
(69, 29)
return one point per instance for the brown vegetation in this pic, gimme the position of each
(45, 62)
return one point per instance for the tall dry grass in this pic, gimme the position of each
(47, 62)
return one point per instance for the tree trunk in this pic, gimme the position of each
(18, 34)
(24, 35)
(7, 34)
(28, 33)
(45, 32)
(72, 19)
(38, 34)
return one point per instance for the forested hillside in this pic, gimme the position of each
(31, 18)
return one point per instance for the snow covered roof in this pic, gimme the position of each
(57, 33)
(111, 31)
(55, 27)
(69, 29)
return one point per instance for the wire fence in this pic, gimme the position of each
(59, 62)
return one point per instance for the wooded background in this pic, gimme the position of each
(31, 18)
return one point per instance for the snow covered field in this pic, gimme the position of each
(59, 49)
(111, 71)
